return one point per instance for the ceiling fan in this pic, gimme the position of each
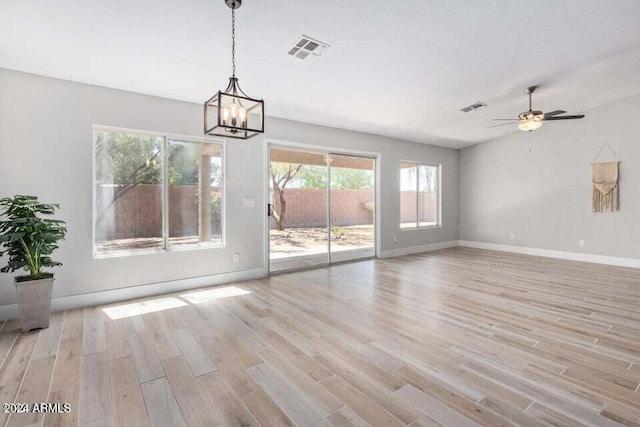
(533, 119)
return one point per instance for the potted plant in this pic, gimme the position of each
(29, 240)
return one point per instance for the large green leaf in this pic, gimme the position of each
(26, 237)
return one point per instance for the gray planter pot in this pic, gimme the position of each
(34, 302)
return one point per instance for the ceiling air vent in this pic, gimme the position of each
(306, 47)
(473, 107)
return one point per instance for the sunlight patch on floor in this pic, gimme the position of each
(214, 293)
(137, 308)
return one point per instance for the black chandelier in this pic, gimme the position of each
(232, 113)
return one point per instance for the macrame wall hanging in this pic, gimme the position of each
(605, 183)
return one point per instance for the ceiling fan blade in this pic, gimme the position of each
(580, 116)
(553, 113)
(501, 124)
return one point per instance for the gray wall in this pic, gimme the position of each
(538, 185)
(46, 150)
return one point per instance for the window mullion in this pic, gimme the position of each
(417, 195)
(439, 189)
(165, 193)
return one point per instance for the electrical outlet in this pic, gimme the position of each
(582, 243)
(395, 239)
(236, 257)
(512, 236)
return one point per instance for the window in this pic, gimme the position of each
(154, 192)
(419, 195)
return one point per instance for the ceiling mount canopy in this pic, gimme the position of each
(232, 113)
(233, 4)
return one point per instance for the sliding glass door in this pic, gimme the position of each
(298, 231)
(352, 207)
(322, 208)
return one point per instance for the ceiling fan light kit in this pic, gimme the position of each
(533, 119)
(232, 113)
(529, 125)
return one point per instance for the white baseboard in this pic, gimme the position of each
(549, 253)
(389, 253)
(10, 311)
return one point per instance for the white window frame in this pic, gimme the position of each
(167, 137)
(438, 196)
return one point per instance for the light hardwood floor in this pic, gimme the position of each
(459, 337)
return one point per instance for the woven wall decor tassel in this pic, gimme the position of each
(605, 187)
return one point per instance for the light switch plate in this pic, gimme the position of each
(249, 202)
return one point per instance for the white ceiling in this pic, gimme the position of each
(396, 68)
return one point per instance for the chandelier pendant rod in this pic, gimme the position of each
(233, 42)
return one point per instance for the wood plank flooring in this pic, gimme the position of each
(459, 337)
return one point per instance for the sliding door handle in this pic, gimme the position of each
(270, 209)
